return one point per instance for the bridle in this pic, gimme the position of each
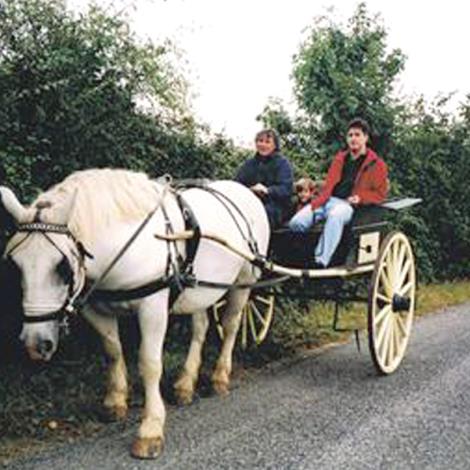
(76, 283)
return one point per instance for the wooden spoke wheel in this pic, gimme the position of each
(391, 305)
(256, 318)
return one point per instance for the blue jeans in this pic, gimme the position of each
(337, 213)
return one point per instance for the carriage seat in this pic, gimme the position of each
(296, 249)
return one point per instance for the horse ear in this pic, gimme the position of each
(64, 212)
(12, 206)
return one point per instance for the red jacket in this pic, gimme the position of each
(371, 183)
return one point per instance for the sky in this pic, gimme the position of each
(236, 54)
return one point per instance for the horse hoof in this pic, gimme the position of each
(184, 397)
(184, 390)
(147, 447)
(115, 413)
(221, 388)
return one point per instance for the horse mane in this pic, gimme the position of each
(102, 198)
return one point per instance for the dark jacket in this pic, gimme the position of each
(274, 172)
(371, 183)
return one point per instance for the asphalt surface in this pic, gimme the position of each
(324, 411)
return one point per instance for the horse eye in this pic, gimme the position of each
(64, 270)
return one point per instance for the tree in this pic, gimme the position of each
(82, 91)
(342, 72)
(296, 141)
(431, 160)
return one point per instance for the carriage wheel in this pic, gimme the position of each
(256, 318)
(391, 302)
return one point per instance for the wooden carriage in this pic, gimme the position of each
(373, 264)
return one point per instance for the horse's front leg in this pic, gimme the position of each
(185, 385)
(236, 299)
(115, 401)
(153, 320)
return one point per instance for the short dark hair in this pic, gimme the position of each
(359, 123)
(269, 133)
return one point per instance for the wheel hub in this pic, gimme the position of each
(400, 303)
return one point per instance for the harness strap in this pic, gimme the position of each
(131, 294)
(93, 287)
(182, 275)
(42, 227)
(178, 271)
(226, 202)
(57, 315)
(229, 205)
(192, 244)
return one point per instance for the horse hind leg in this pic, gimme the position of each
(186, 383)
(236, 300)
(115, 401)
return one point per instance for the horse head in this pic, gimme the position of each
(50, 262)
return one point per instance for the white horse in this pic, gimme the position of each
(100, 210)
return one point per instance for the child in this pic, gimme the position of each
(305, 189)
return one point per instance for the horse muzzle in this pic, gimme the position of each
(40, 342)
(43, 351)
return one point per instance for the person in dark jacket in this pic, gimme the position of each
(269, 175)
(357, 176)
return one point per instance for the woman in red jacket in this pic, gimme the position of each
(357, 176)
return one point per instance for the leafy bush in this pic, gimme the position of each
(80, 92)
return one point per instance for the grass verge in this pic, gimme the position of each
(312, 327)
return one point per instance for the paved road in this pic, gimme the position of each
(326, 411)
